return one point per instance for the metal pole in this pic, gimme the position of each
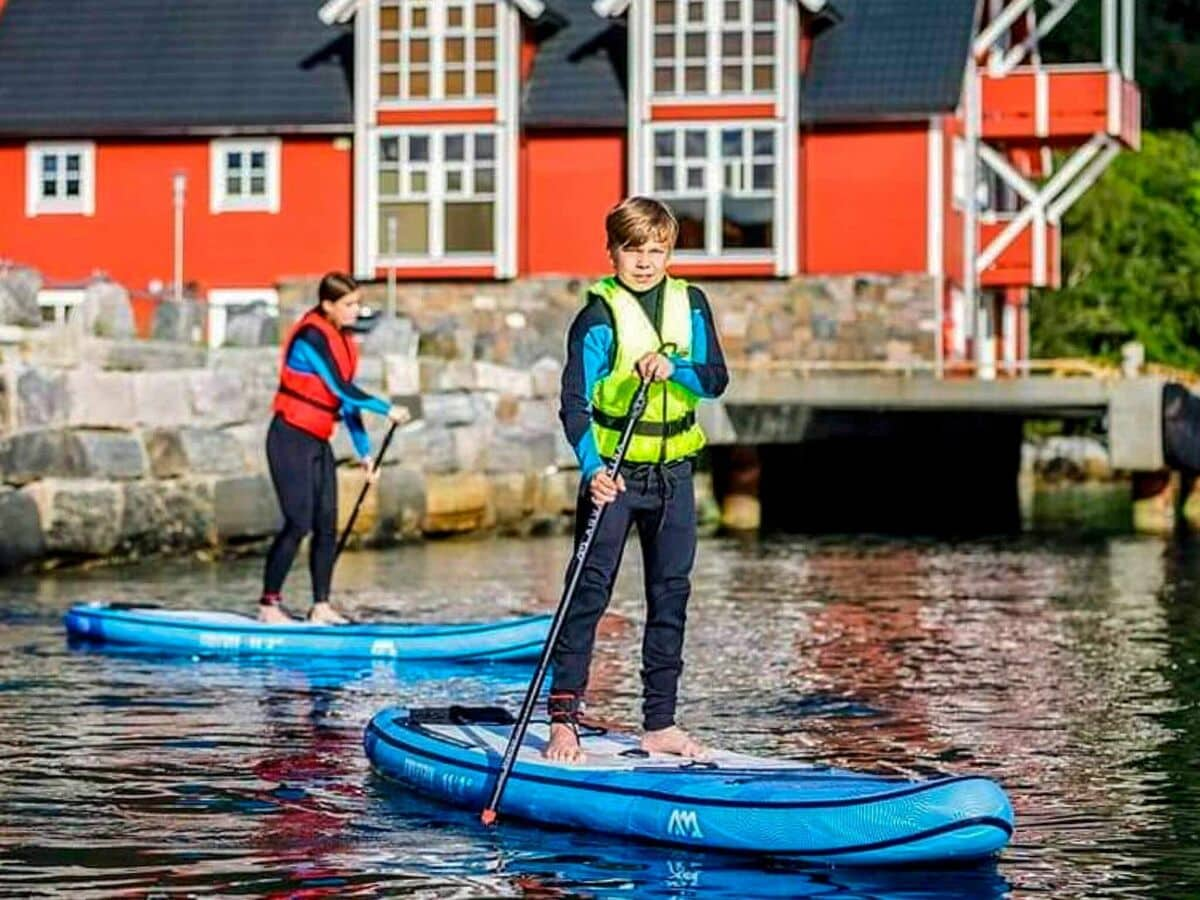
(391, 282)
(179, 183)
(971, 213)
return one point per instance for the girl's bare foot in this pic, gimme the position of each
(323, 613)
(273, 614)
(563, 745)
(674, 740)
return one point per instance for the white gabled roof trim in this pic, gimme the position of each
(339, 12)
(609, 9)
(814, 6)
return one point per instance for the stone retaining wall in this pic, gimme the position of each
(116, 447)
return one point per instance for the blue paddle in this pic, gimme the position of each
(636, 407)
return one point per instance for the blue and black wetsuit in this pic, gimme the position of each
(304, 473)
(658, 500)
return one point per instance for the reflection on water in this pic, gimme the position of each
(1067, 669)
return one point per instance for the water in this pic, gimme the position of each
(1069, 669)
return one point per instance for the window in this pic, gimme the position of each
(245, 175)
(715, 46)
(227, 305)
(57, 304)
(60, 179)
(437, 50)
(437, 193)
(720, 182)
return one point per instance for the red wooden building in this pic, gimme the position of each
(485, 139)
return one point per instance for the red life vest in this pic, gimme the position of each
(302, 399)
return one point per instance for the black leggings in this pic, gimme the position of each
(303, 472)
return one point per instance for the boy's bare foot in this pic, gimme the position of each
(563, 745)
(323, 613)
(676, 741)
(274, 614)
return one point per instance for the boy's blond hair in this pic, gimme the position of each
(636, 220)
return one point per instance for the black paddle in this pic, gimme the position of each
(636, 407)
(362, 495)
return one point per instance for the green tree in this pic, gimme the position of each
(1131, 258)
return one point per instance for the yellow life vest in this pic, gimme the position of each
(668, 430)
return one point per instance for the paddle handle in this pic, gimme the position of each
(362, 495)
(488, 816)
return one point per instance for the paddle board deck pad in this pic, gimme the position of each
(733, 802)
(205, 632)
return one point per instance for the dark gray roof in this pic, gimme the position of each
(578, 78)
(93, 67)
(873, 59)
(888, 59)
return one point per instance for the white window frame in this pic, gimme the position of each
(437, 196)
(437, 31)
(219, 200)
(37, 205)
(61, 300)
(714, 186)
(219, 299)
(712, 27)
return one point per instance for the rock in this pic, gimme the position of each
(181, 321)
(456, 503)
(100, 399)
(114, 455)
(162, 398)
(546, 375)
(452, 409)
(554, 503)
(105, 311)
(144, 356)
(516, 449)
(252, 440)
(401, 505)
(41, 398)
(503, 380)
(741, 512)
(79, 517)
(708, 510)
(401, 376)
(21, 538)
(19, 288)
(246, 507)
(43, 453)
(391, 336)
(350, 481)
(194, 451)
(218, 397)
(439, 375)
(376, 426)
(251, 325)
(437, 450)
(472, 445)
(161, 516)
(514, 498)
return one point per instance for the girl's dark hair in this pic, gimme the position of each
(335, 286)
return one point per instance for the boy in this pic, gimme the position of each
(639, 322)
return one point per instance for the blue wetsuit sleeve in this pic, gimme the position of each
(589, 359)
(310, 353)
(358, 433)
(704, 373)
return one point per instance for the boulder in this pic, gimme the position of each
(546, 375)
(19, 288)
(252, 440)
(503, 379)
(391, 336)
(514, 498)
(162, 398)
(401, 505)
(181, 321)
(246, 508)
(143, 356)
(218, 396)
(516, 449)
(251, 325)
(457, 408)
(21, 538)
(105, 311)
(439, 375)
(79, 517)
(161, 516)
(457, 502)
(195, 451)
(401, 375)
(42, 453)
(350, 481)
(41, 398)
(100, 399)
(115, 455)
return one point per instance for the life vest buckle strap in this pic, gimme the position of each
(284, 389)
(646, 429)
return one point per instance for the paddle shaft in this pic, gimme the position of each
(362, 495)
(636, 407)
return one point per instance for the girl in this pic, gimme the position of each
(316, 388)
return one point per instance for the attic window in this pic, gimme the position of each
(60, 178)
(715, 47)
(437, 50)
